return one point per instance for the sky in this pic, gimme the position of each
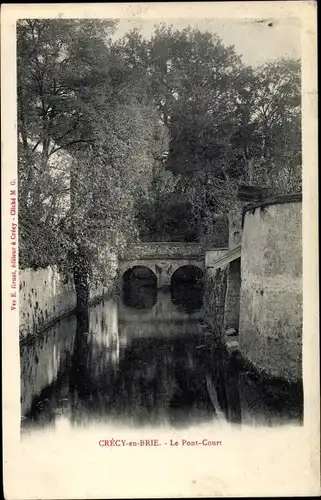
(257, 41)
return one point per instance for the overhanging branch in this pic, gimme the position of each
(64, 146)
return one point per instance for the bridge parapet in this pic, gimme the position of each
(161, 250)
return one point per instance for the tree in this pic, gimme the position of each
(79, 100)
(227, 123)
(276, 116)
(193, 79)
(53, 56)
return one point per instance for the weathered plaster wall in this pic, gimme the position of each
(45, 295)
(270, 333)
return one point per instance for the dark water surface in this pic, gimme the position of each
(144, 359)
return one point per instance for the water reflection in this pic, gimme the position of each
(139, 296)
(154, 365)
(139, 288)
(187, 297)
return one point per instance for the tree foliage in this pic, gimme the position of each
(227, 123)
(89, 142)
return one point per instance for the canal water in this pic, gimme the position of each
(144, 359)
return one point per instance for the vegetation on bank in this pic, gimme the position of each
(133, 137)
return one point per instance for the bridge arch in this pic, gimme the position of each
(187, 273)
(139, 271)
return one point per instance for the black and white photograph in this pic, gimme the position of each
(155, 233)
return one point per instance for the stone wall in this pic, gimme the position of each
(211, 256)
(214, 299)
(45, 295)
(235, 226)
(270, 333)
(223, 282)
(232, 297)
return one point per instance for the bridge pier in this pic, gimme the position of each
(163, 277)
(163, 282)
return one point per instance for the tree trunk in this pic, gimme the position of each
(80, 261)
(82, 321)
(80, 272)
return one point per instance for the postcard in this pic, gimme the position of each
(159, 236)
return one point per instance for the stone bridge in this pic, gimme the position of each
(164, 258)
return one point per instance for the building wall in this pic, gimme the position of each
(270, 333)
